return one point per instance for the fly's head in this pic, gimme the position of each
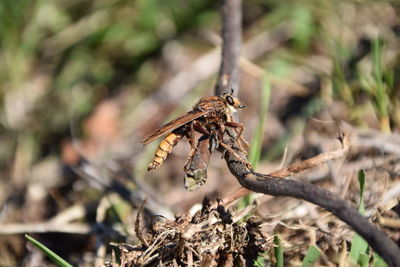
(232, 103)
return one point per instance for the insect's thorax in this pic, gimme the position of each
(210, 103)
(215, 105)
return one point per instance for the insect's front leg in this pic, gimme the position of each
(210, 132)
(228, 148)
(233, 152)
(240, 127)
(193, 143)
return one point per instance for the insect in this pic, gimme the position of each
(209, 116)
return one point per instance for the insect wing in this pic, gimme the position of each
(172, 125)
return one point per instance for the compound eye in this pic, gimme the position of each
(229, 99)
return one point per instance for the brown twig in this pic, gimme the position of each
(45, 227)
(315, 161)
(323, 198)
(232, 39)
(228, 78)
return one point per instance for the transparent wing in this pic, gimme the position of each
(172, 125)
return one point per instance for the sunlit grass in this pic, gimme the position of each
(53, 256)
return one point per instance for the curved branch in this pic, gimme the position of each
(274, 186)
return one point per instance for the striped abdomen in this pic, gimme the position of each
(164, 149)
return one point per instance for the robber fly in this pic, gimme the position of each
(208, 114)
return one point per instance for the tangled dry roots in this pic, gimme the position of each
(209, 238)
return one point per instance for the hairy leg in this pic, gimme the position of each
(193, 144)
(240, 128)
(233, 152)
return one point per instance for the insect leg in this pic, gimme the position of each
(220, 138)
(227, 147)
(193, 144)
(195, 126)
(200, 128)
(240, 127)
(210, 132)
(233, 152)
(196, 169)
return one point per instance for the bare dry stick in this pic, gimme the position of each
(62, 223)
(315, 161)
(45, 227)
(228, 76)
(339, 207)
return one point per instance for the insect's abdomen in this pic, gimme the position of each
(164, 149)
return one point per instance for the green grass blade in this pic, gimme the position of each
(53, 256)
(358, 244)
(377, 64)
(381, 90)
(260, 261)
(256, 142)
(363, 260)
(378, 261)
(311, 257)
(278, 252)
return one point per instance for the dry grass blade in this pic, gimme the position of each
(315, 161)
(138, 229)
